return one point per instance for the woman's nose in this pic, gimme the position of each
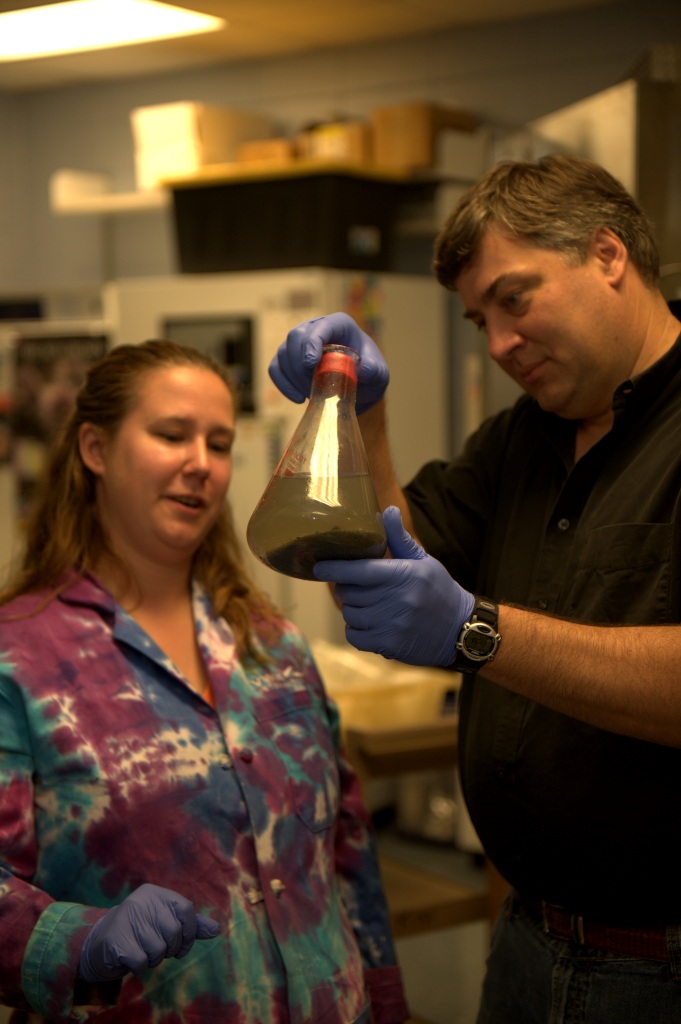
(197, 459)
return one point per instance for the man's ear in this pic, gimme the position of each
(611, 253)
(91, 444)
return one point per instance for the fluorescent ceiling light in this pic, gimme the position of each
(79, 25)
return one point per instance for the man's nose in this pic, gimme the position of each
(503, 338)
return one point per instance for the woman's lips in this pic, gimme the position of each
(190, 501)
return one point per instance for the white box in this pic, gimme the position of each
(176, 139)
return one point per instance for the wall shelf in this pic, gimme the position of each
(83, 192)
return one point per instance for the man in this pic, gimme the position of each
(553, 568)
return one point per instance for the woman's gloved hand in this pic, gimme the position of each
(149, 925)
(405, 607)
(296, 359)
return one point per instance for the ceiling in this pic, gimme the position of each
(270, 28)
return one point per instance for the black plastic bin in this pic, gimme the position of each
(326, 219)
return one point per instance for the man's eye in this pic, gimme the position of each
(514, 301)
(221, 447)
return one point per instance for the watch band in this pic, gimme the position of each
(485, 610)
(479, 638)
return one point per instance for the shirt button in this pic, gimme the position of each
(563, 524)
(246, 755)
(543, 604)
(225, 762)
(277, 887)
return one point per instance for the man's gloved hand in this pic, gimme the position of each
(149, 925)
(296, 359)
(405, 607)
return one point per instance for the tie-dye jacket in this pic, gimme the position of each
(113, 772)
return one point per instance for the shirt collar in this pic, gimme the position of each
(85, 589)
(632, 394)
(645, 386)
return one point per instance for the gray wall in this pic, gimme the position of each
(507, 74)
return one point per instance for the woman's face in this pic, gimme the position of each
(162, 478)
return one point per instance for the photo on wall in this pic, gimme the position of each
(47, 373)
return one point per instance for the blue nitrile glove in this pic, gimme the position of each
(296, 360)
(149, 925)
(405, 607)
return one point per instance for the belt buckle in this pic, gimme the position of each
(576, 924)
(577, 928)
(547, 930)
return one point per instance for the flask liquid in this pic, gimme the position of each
(301, 528)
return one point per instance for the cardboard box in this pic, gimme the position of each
(342, 141)
(266, 151)
(405, 133)
(176, 139)
(462, 155)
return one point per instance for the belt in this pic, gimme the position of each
(640, 943)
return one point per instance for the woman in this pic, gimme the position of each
(169, 763)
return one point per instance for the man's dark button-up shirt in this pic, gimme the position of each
(569, 813)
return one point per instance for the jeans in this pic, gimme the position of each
(533, 978)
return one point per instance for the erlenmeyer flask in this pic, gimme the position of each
(321, 502)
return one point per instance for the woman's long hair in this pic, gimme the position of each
(63, 532)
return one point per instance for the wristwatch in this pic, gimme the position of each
(478, 640)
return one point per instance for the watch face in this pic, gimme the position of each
(479, 641)
(476, 643)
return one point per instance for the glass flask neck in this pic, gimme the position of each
(336, 374)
